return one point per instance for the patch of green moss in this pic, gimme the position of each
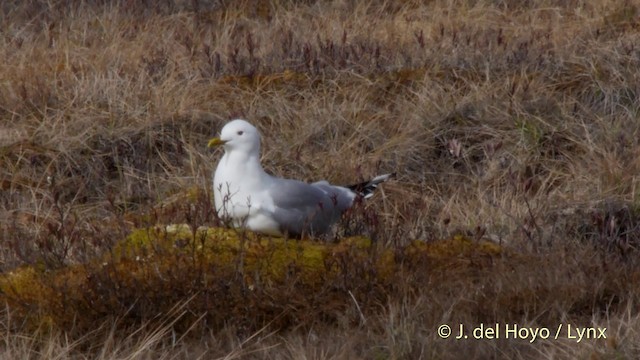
(265, 257)
(229, 276)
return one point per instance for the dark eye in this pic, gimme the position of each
(240, 132)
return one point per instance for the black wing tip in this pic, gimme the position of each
(367, 188)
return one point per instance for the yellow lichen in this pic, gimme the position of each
(161, 265)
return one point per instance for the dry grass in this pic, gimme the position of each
(512, 122)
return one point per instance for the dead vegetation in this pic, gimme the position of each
(509, 123)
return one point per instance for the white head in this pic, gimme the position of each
(238, 135)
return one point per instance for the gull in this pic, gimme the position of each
(247, 197)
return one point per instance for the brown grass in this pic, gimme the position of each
(510, 122)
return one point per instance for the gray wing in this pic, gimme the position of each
(308, 208)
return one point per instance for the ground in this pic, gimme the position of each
(512, 127)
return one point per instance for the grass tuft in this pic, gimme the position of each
(512, 127)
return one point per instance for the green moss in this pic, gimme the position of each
(229, 276)
(265, 257)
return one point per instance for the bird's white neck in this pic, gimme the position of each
(240, 164)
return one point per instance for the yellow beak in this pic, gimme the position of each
(216, 142)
